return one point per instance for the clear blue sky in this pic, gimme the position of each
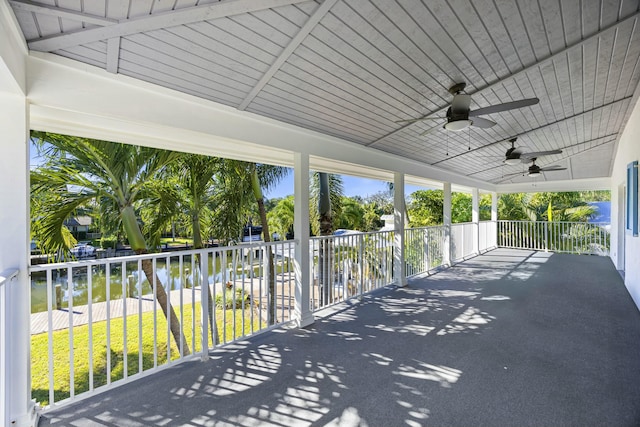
(352, 186)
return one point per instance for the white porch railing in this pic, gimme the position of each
(100, 322)
(555, 236)
(462, 241)
(349, 265)
(487, 233)
(424, 249)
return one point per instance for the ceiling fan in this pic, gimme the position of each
(514, 157)
(535, 170)
(459, 116)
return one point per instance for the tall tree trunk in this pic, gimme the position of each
(197, 244)
(326, 247)
(139, 246)
(257, 191)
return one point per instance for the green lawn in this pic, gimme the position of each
(179, 241)
(61, 362)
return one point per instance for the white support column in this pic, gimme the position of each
(398, 225)
(446, 216)
(494, 219)
(16, 408)
(475, 218)
(302, 313)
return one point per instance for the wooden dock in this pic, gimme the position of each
(61, 319)
(100, 311)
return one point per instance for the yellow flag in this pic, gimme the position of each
(549, 216)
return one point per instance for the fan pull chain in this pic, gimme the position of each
(447, 144)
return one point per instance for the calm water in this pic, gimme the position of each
(170, 278)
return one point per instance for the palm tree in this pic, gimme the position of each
(281, 217)
(254, 178)
(326, 190)
(79, 170)
(185, 187)
(264, 177)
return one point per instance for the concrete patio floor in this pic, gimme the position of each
(509, 338)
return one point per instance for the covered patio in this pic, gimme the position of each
(442, 95)
(510, 337)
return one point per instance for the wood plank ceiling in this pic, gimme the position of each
(353, 68)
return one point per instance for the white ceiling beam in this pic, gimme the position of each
(556, 186)
(524, 70)
(157, 21)
(113, 54)
(59, 12)
(304, 31)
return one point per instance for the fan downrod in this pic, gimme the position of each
(457, 88)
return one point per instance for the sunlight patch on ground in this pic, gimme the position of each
(420, 330)
(451, 293)
(250, 371)
(349, 417)
(443, 375)
(496, 298)
(469, 320)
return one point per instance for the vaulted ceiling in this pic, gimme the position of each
(355, 69)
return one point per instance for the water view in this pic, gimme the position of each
(120, 281)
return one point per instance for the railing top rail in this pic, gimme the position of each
(161, 255)
(426, 227)
(7, 275)
(358, 233)
(553, 222)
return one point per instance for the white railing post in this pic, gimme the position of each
(446, 216)
(546, 236)
(494, 218)
(361, 262)
(475, 219)
(302, 312)
(398, 221)
(204, 301)
(7, 278)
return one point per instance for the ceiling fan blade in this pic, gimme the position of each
(421, 119)
(461, 103)
(540, 153)
(479, 122)
(552, 168)
(428, 131)
(504, 107)
(514, 174)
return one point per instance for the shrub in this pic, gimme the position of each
(242, 299)
(108, 242)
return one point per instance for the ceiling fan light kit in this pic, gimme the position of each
(513, 161)
(458, 125)
(458, 116)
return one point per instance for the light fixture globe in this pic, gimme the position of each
(512, 161)
(457, 125)
(534, 170)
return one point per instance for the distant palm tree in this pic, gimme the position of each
(281, 217)
(255, 178)
(326, 190)
(185, 187)
(79, 170)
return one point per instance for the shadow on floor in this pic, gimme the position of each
(509, 338)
